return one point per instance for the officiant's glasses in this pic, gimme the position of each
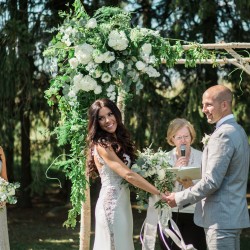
(184, 137)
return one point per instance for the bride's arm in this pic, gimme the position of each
(116, 164)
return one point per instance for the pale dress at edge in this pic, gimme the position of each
(4, 236)
(113, 213)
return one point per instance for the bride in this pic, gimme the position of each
(110, 155)
(4, 236)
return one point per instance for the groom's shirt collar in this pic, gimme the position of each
(224, 119)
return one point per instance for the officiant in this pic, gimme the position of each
(181, 135)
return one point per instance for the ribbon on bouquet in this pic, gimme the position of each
(163, 217)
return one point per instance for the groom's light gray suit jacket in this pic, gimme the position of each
(221, 193)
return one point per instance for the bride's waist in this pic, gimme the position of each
(114, 186)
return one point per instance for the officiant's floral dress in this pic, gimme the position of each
(4, 236)
(113, 213)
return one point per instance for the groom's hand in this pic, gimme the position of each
(170, 199)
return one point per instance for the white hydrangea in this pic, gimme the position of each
(66, 40)
(83, 53)
(73, 62)
(111, 94)
(118, 40)
(106, 77)
(69, 31)
(98, 90)
(91, 24)
(134, 75)
(98, 56)
(91, 66)
(146, 48)
(151, 71)
(140, 65)
(161, 174)
(77, 78)
(85, 83)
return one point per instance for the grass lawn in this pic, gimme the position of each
(40, 227)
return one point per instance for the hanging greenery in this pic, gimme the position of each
(100, 56)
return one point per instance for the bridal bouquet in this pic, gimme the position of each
(154, 167)
(8, 191)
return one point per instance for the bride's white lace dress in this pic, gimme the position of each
(4, 236)
(113, 213)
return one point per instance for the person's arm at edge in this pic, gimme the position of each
(4, 169)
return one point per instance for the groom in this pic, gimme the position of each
(221, 193)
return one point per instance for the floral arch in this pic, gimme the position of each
(103, 56)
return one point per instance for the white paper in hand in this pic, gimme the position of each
(193, 173)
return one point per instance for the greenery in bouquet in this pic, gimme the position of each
(154, 167)
(8, 191)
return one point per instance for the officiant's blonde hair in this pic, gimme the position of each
(177, 124)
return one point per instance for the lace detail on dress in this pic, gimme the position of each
(110, 192)
(109, 203)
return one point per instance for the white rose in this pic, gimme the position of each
(91, 24)
(111, 88)
(140, 65)
(161, 174)
(98, 90)
(152, 72)
(106, 77)
(109, 56)
(97, 73)
(73, 62)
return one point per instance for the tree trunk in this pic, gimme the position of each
(26, 179)
(85, 224)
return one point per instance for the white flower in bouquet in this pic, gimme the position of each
(155, 168)
(8, 191)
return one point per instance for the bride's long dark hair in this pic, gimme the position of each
(120, 141)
